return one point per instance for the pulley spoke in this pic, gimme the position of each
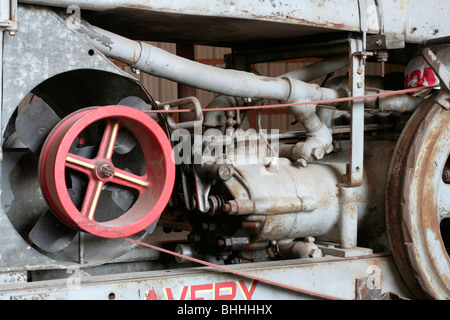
(108, 140)
(78, 163)
(91, 198)
(131, 180)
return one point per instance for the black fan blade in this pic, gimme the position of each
(76, 181)
(125, 140)
(134, 102)
(123, 197)
(34, 123)
(50, 234)
(107, 210)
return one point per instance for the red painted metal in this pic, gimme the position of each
(154, 187)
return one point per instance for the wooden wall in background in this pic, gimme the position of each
(165, 90)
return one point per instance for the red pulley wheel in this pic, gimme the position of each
(153, 187)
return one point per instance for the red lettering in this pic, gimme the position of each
(248, 293)
(219, 291)
(417, 78)
(418, 74)
(201, 287)
(151, 295)
(169, 294)
(231, 286)
(429, 76)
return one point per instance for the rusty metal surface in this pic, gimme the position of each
(356, 86)
(368, 289)
(439, 68)
(226, 23)
(218, 22)
(417, 202)
(206, 284)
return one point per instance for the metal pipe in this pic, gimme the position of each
(319, 139)
(348, 221)
(160, 63)
(157, 62)
(402, 103)
(191, 101)
(318, 69)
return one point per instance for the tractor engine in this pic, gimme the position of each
(97, 173)
(248, 202)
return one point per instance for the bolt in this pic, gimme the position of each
(446, 176)
(302, 162)
(359, 85)
(336, 146)
(231, 207)
(225, 172)
(274, 246)
(379, 42)
(359, 70)
(105, 170)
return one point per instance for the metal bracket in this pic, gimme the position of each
(443, 98)
(8, 16)
(183, 101)
(439, 68)
(356, 87)
(385, 41)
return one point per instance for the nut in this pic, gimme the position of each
(315, 253)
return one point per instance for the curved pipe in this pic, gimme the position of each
(161, 63)
(319, 139)
(217, 118)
